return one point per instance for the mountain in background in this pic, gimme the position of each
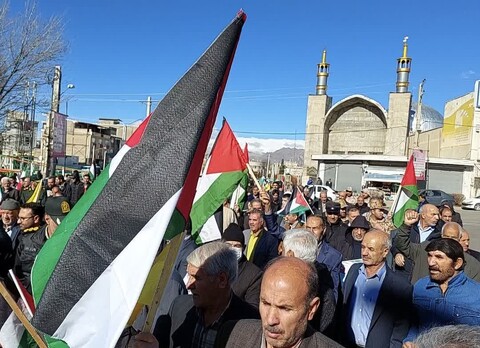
(288, 154)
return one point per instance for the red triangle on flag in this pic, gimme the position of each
(409, 178)
(138, 134)
(300, 199)
(245, 153)
(226, 155)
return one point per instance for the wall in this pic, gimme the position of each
(357, 130)
(458, 128)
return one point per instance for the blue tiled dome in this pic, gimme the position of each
(431, 118)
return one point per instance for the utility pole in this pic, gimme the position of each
(49, 163)
(149, 105)
(32, 135)
(418, 126)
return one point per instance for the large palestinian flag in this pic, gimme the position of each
(223, 172)
(87, 278)
(407, 194)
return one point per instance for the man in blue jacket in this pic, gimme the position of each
(447, 296)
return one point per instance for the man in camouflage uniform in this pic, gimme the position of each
(377, 218)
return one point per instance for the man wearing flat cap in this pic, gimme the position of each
(247, 285)
(335, 229)
(56, 208)
(9, 210)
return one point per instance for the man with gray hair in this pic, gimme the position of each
(8, 191)
(302, 244)
(449, 336)
(377, 300)
(194, 320)
(416, 251)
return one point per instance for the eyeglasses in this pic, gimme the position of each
(25, 218)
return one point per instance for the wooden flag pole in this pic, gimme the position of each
(171, 249)
(18, 312)
(395, 202)
(252, 174)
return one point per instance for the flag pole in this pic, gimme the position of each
(395, 202)
(171, 249)
(18, 312)
(252, 174)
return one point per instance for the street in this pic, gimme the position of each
(471, 222)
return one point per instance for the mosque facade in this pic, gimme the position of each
(358, 143)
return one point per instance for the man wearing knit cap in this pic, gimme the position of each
(56, 208)
(247, 285)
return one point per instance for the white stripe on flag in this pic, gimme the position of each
(12, 330)
(117, 159)
(402, 200)
(121, 283)
(210, 230)
(204, 184)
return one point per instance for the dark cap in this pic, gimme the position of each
(360, 222)
(332, 208)
(57, 208)
(233, 233)
(10, 204)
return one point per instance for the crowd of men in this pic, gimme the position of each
(30, 215)
(340, 275)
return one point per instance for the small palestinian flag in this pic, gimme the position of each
(407, 194)
(297, 204)
(87, 278)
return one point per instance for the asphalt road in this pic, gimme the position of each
(471, 222)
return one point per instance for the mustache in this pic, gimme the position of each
(433, 269)
(273, 329)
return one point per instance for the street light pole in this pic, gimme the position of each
(48, 165)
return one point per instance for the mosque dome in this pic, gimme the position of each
(431, 118)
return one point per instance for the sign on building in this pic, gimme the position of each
(419, 159)
(59, 135)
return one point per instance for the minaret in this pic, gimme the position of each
(318, 106)
(322, 75)
(399, 106)
(403, 69)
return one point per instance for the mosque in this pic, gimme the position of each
(358, 142)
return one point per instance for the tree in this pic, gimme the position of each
(29, 49)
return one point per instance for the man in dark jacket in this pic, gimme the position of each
(247, 285)
(9, 209)
(194, 320)
(303, 245)
(261, 245)
(77, 188)
(377, 301)
(30, 241)
(465, 242)
(335, 229)
(456, 217)
(352, 247)
(8, 191)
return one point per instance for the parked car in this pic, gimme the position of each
(471, 203)
(437, 197)
(331, 194)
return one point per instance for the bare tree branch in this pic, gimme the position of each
(29, 48)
